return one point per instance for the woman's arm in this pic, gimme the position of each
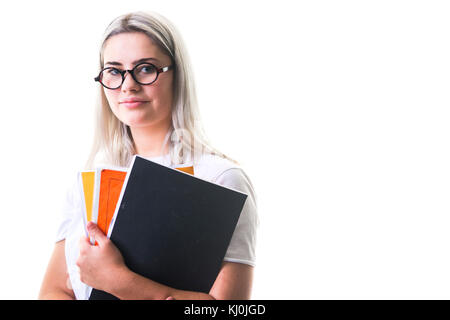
(233, 282)
(56, 281)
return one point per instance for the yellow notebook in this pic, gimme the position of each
(88, 179)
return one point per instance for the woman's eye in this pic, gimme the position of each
(113, 72)
(148, 69)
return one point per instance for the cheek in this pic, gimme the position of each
(113, 100)
(161, 96)
(164, 95)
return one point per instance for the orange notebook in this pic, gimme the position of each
(189, 170)
(111, 182)
(101, 191)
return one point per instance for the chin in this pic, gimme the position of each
(137, 119)
(145, 119)
(134, 123)
(137, 124)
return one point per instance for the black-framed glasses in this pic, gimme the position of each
(143, 73)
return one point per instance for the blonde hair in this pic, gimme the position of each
(113, 143)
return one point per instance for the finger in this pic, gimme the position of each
(170, 298)
(96, 233)
(83, 241)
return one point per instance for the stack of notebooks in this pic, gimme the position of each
(169, 225)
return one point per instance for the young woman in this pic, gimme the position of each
(147, 107)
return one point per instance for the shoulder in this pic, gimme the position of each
(223, 171)
(213, 167)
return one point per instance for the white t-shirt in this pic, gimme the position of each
(210, 168)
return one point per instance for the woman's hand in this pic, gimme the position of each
(100, 265)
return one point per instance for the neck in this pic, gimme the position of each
(148, 141)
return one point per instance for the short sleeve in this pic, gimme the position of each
(70, 207)
(242, 247)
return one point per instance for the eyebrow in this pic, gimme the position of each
(115, 63)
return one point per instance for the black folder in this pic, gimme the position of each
(172, 227)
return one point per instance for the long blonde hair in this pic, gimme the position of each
(113, 143)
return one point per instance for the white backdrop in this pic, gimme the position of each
(338, 111)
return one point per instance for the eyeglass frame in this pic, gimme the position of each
(123, 72)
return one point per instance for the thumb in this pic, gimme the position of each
(96, 233)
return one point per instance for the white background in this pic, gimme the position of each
(338, 111)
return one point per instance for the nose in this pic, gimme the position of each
(129, 84)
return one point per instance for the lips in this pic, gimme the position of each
(132, 102)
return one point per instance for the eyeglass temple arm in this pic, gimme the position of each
(164, 69)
